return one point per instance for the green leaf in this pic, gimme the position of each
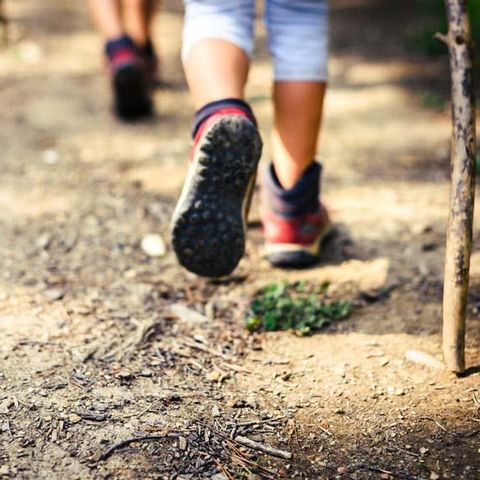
(299, 306)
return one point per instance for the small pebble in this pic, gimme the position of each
(124, 374)
(50, 157)
(54, 294)
(153, 245)
(74, 418)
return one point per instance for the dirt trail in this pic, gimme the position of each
(101, 343)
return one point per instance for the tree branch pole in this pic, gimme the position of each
(462, 194)
(3, 26)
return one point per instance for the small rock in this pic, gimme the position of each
(44, 240)
(423, 358)
(157, 210)
(188, 315)
(182, 443)
(210, 310)
(5, 405)
(50, 157)
(215, 411)
(30, 52)
(146, 372)
(4, 470)
(219, 476)
(54, 294)
(395, 392)
(124, 374)
(423, 450)
(434, 476)
(74, 418)
(214, 376)
(153, 245)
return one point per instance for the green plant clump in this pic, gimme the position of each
(298, 306)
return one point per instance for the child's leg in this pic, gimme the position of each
(107, 17)
(137, 16)
(294, 219)
(298, 42)
(298, 112)
(216, 69)
(209, 222)
(128, 74)
(218, 41)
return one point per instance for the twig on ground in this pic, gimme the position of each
(413, 454)
(202, 348)
(455, 434)
(244, 461)
(274, 452)
(403, 475)
(223, 469)
(143, 412)
(325, 430)
(236, 368)
(127, 441)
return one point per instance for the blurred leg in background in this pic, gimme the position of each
(125, 26)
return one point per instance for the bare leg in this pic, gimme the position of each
(107, 17)
(216, 69)
(137, 16)
(298, 114)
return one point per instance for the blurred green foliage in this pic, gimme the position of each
(300, 306)
(433, 20)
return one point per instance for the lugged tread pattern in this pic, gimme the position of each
(208, 228)
(132, 99)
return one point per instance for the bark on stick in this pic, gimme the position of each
(3, 26)
(459, 230)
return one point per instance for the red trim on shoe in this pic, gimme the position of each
(303, 230)
(220, 113)
(121, 58)
(215, 116)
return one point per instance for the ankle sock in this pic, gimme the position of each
(227, 105)
(301, 199)
(116, 44)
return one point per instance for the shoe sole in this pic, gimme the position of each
(209, 222)
(289, 255)
(132, 99)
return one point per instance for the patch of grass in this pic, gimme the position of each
(298, 306)
(433, 100)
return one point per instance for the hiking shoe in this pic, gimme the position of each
(132, 98)
(294, 221)
(152, 65)
(209, 222)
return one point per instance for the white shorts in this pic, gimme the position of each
(297, 32)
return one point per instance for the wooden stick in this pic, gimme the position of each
(462, 195)
(274, 452)
(3, 26)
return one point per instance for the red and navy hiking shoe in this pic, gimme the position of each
(132, 98)
(151, 62)
(209, 222)
(294, 221)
